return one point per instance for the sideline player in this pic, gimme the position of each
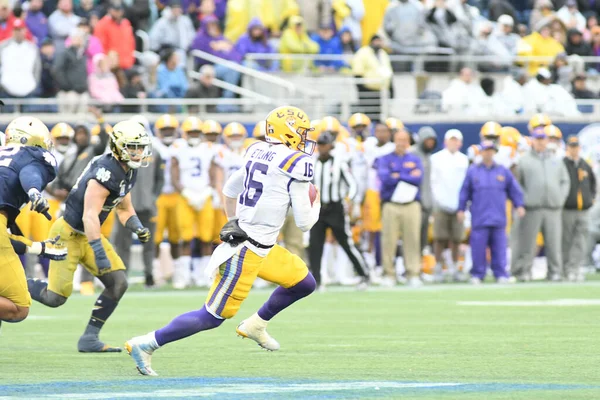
(26, 167)
(276, 175)
(103, 186)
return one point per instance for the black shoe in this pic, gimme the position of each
(149, 281)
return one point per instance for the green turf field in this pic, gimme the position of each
(440, 342)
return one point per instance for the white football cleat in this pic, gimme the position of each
(255, 328)
(140, 348)
(414, 282)
(475, 281)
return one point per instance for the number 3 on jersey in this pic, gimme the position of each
(253, 188)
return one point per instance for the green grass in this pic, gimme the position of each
(380, 335)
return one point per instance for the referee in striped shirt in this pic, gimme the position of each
(335, 182)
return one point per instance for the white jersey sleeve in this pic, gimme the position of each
(298, 166)
(305, 214)
(235, 184)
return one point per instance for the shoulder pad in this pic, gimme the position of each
(298, 165)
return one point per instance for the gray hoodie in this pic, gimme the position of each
(544, 179)
(405, 25)
(425, 132)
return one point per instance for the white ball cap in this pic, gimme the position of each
(506, 20)
(453, 134)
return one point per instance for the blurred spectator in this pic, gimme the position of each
(70, 72)
(448, 171)
(464, 30)
(570, 16)
(316, 13)
(444, 24)
(424, 147)
(48, 86)
(348, 46)
(542, 9)
(582, 193)
(550, 98)
(580, 89)
(539, 43)
(91, 44)
(488, 44)
(210, 40)
(103, 83)
(256, 40)
(487, 187)
(138, 14)
(497, 8)
(36, 21)
(20, 64)
(173, 29)
(61, 22)
(171, 80)
(204, 89)
(295, 40)
(492, 103)
(134, 89)
(513, 93)
(522, 30)
(504, 33)
(349, 13)
(596, 44)
(116, 35)
(576, 44)
(85, 8)
(545, 184)
(561, 71)
(558, 31)
(404, 23)
(272, 13)
(329, 44)
(7, 20)
(463, 95)
(592, 21)
(373, 19)
(373, 63)
(400, 174)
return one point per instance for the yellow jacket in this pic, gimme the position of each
(292, 43)
(272, 14)
(373, 19)
(367, 65)
(536, 45)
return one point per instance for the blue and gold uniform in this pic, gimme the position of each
(108, 172)
(18, 168)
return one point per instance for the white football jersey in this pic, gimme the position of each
(166, 155)
(194, 163)
(231, 160)
(372, 152)
(273, 178)
(59, 159)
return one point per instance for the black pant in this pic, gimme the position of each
(333, 216)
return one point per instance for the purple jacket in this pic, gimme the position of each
(409, 168)
(203, 40)
(37, 23)
(246, 45)
(488, 189)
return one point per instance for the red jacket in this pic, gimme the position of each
(7, 28)
(117, 37)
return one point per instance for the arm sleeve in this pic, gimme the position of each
(305, 214)
(565, 182)
(515, 193)
(34, 177)
(350, 181)
(465, 193)
(235, 184)
(415, 176)
(159, 175)
(19, 247)
(385, 175)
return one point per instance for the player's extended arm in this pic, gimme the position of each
(176, 175)
(305, 214)
(45, 249)
(217, 176)
(130, 220)
(95, 196)
(33, 181)
(232, 189)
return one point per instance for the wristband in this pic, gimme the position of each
(134, 224)
(98, 248)
(36, 248)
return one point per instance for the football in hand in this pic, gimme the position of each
(312, 193)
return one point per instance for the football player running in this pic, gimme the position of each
(103, 186)
(26, 167)
(275, 176)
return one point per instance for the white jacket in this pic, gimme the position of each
(460, 97)
(565, 16)
(515, 99)
(448, 171)
(20, 67)
(551, 99)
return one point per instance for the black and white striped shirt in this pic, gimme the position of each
(334, 180)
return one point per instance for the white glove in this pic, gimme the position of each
(194, 199)
(216, 199)
(356, 211)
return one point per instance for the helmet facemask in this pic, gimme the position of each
(136, 154)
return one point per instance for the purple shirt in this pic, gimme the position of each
(203, 40)
(488, 188)
(409, 168)
(37, 23)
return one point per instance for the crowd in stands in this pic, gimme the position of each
(81, 49)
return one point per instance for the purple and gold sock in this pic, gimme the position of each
(282, 298)
(186, 325)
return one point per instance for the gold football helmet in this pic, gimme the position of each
(358, 119)
(234, 135)
(553, 132)
(260, 130)
(62, 135)
(165, 128)
(538, 120)
(211, 130)
(490, 131)
(28, 131)
(330, 124)
(290, 126)
(96, 129)
(510, 137)
(191, 131)
(130, 144)
(394, 124)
